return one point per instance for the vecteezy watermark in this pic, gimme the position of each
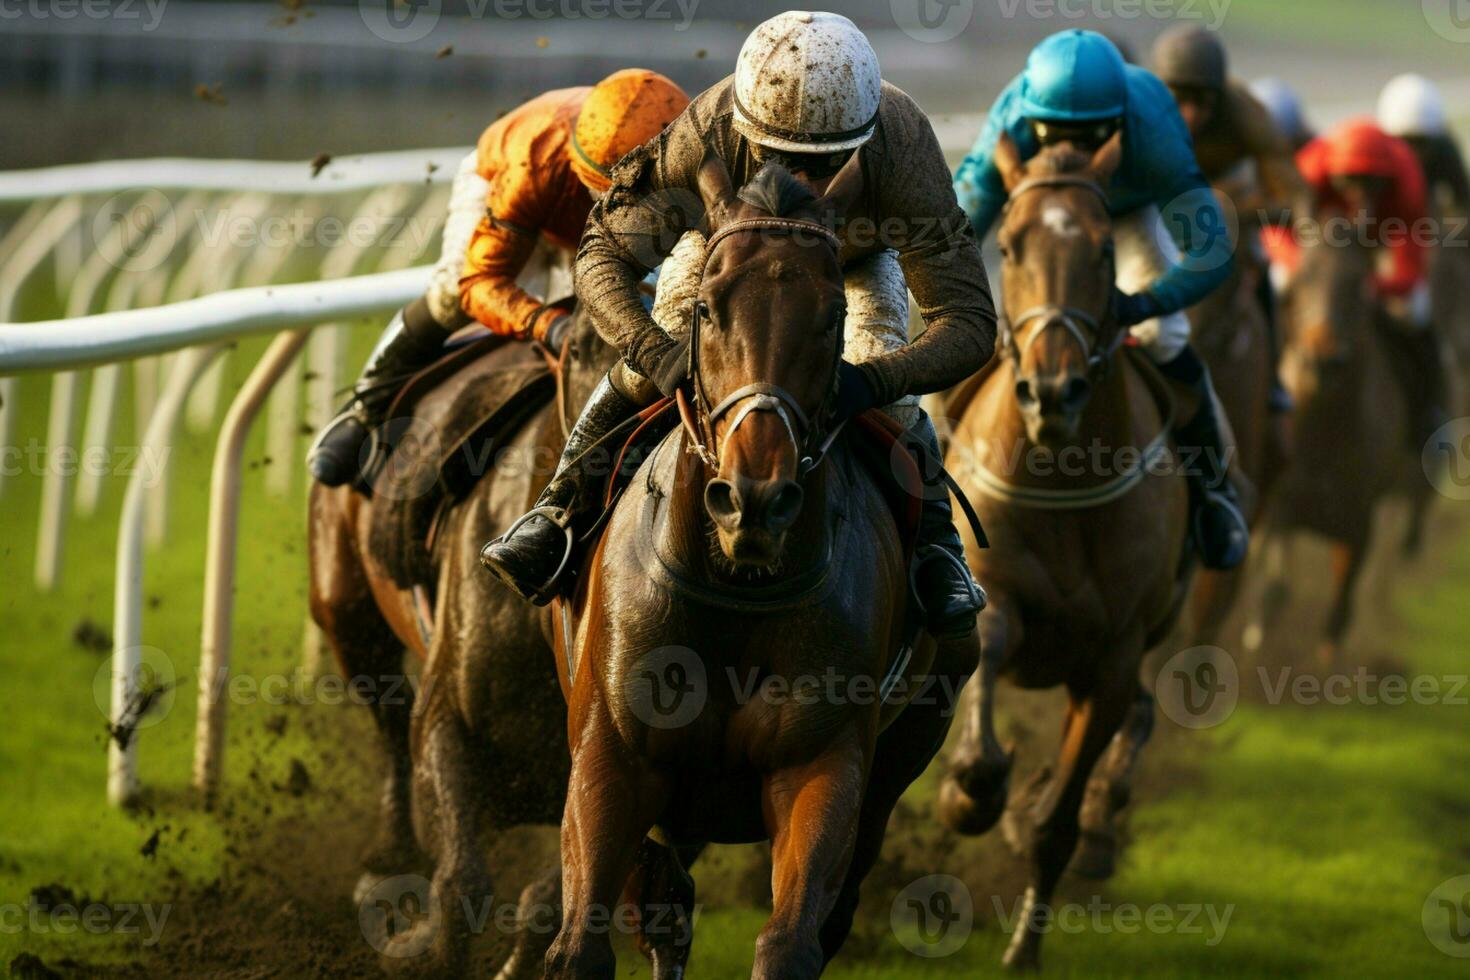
(1198, 687)
(1446, 917)
(37, 459)
(1450, 19)
(1363, 686)
(96, 918)
(399, 917)
(933, 916)
(150, 682)
(149, 12)
(666, 687)
(932, 21)
(406, 21)
(1100, 916)
(1446, 459)
(1211, 13)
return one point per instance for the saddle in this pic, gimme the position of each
(434, 449)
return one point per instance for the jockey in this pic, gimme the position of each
(1285, 108)
(1362, 174)
(1230, 129)
(516, 212)
(1173, 247)
(1411, 108)
(750, 119)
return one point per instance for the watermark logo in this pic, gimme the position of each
(410, 450)
(1446, 459)
(666, 687)
(1446, 917)
(151, 686)
(400, 21)
(135, 233)
(933, 916)
(1450, 19)
(1198, 687)
(397, 916)
(1208, 225)
(932, 21)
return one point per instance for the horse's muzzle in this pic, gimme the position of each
(754, 505)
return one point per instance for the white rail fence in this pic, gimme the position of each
(162, 265)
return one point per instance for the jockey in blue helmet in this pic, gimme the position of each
(1173, 245)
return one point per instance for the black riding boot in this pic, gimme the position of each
(1279, 400)
(948, 592)
(532, 554)
(412, 339)
(1220, 531)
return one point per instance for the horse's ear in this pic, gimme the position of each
(1007, 159)
(1105, 161)
(844, 190)
(713, 180)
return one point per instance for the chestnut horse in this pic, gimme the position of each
(1087, 568)
(482, 745)
(1352, 442)
(738, 636)
(1229, 332)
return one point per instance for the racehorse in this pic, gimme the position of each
(1228, 329)
(483, 743)
(1088, 566)
(737, 646)
(1351, 428)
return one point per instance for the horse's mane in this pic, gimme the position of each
(777, 191)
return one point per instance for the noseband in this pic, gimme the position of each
(810, 443)
(1081, 326)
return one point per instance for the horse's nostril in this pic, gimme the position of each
(785, 506)
(1075, 392)
(723, 502)
(1024, 394)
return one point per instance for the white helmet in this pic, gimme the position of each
(1410, 105)
(1281, 101)
(807, 82)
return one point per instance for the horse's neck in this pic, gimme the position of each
(688, 535)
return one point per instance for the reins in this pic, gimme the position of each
(807, 438)
(1084, 328)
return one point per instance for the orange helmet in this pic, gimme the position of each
(624, 110)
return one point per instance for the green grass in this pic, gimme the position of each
(1399, 25)
(1322, 829)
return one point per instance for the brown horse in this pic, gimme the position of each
(1229, 331)
(482, 746)
(734, 670)
(1087, 567)
(1351, 429)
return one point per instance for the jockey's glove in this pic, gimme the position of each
(557, 332)
(672, 367)
(855, 393)
(1134, 308)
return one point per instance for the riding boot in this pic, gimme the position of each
(1220, 531)
(1278, 400)
(532, 554)
(412, 339)
(948, 593)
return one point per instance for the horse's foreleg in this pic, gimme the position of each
(1347, 565)
(904, 751)
(662, 891)
(1092, 720)
(538, 919)
(612, 802)
(973, 794)
(1273, 593)
(1108, 791)
(812, 816)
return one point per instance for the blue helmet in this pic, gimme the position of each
(1077, 76)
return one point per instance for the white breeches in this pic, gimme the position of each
(1145, 252)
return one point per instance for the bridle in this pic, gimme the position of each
(809, 440)
(1084, 328)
